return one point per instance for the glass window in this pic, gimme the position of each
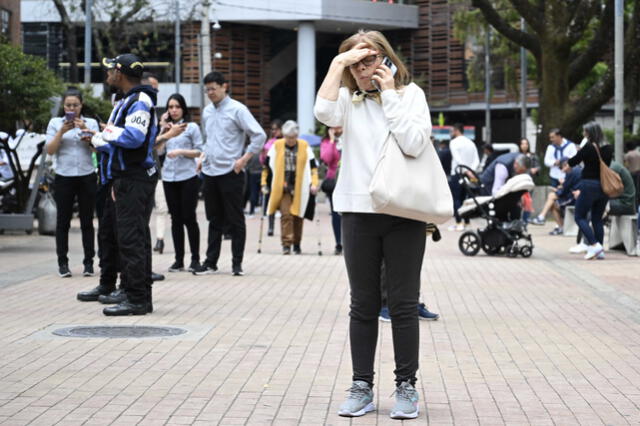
(5, 18)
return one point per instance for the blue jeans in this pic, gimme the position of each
(459, 194)
(591, 200)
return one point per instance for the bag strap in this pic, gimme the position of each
(598, 152)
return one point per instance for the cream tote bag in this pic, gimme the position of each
(413, 188)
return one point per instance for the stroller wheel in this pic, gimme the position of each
(469, 243)
(526, 251)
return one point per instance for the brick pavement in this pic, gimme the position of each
(547, 340)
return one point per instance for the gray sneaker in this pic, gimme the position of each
(359, 401)
(406, 402)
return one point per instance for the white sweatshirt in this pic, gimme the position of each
(366, 125)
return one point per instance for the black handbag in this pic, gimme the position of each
(328, 185)
(310, 211)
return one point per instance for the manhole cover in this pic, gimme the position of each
(119, 331)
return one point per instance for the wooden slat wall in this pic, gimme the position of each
(245, 54)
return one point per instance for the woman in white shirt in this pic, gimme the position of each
(75, 178)
(367, 116)
(182, 142)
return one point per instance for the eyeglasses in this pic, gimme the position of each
(367, 61)
(210, 89)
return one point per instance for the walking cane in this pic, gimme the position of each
(262, 215)
(318, 229)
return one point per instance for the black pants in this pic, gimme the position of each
(368, 240)
(223, 196)
(253, 191)
(67, 189)
(133, 206)
(108, 240)
(182, 200)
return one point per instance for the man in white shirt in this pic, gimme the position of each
(558, 148)
(463, 153)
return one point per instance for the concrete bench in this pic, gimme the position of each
(570, 228)
(623, 234)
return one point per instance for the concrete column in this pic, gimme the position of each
(306, 76)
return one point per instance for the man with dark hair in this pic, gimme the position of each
(558, 148)
(227, 123)
(130, 169)
(562, 197)
(463, 153)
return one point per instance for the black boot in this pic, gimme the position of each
(116, 296)
(93, 294)
(159, 246)
(126, 308)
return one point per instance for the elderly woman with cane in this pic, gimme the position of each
(293, 171)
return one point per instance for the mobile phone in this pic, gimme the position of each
(386, 61)
(69, 116)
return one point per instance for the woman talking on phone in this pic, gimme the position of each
(182, 142)
(373, 101)
(75, 178)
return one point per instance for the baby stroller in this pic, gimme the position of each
(505, 233)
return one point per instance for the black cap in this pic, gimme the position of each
(127, 63)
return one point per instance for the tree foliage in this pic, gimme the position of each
(570, 43)
(26, 89)
(120, 26)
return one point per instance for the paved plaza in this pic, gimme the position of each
(550, 340)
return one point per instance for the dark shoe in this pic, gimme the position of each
(126, 308)
(193, 266)
(149, 307)
(286, 250)
(116, 296)
(205, 269)
(176, 267)
(384, 314)
(237, 271)
(424, 314)
(556, 231)
(88, 271)
(157, 277)
(93, 294)
(297, 249)
(159, 246)
(63, 271)
(338, 250)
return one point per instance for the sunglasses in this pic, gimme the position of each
(367, 61)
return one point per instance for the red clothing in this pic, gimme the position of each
(330, 155)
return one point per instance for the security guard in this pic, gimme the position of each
(127, 142)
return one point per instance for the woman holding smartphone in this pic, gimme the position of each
(182, 142)
(75, 178)
(372, 102)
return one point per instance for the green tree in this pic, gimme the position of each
(571, 43)
(26, 89)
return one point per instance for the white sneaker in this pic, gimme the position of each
(580, 248)
(460, 227)
(593, 251)
(600, 256)
(451, 227)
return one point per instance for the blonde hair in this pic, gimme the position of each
(377, 41)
